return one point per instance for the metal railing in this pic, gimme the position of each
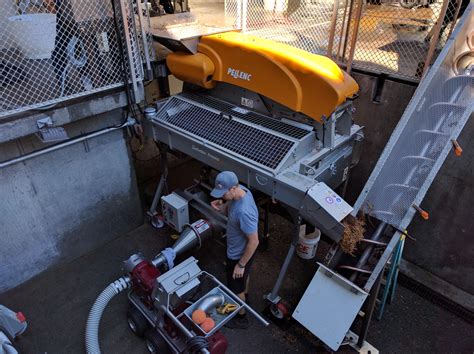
(51, 51)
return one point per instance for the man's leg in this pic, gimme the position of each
(243, 298)
(238, 286)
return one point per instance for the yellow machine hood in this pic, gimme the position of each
(304, 82)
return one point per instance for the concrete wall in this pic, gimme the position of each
(444, 245)
(58, 206)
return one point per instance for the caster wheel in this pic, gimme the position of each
(157, 222)
(155, 342)
(137, 322)
(280, 311)
(279, 314)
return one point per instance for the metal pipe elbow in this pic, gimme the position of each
(210, 302)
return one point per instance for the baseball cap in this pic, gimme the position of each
(224, 181)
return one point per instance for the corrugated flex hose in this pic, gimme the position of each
(93, 321)
(73, 60)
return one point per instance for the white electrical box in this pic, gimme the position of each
(175, 211)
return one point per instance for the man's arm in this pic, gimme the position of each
(220, 206)
(250, 248)
(252, 244)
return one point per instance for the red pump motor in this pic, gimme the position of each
(143, 275)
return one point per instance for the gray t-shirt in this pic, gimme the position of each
(242, 221)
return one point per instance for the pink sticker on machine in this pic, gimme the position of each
(201, 226)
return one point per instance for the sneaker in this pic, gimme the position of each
(238, 322)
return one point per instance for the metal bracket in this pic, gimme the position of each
(366, 348)
(44, 122)
(160, 70)
(274, 300)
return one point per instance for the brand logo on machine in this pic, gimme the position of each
(237, 74)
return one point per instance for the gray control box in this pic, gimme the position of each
(175, 211)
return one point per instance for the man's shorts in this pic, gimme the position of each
(237, 285)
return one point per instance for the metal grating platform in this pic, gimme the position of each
(249, 116)
(257, 145)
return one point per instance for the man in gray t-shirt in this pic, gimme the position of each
(238, 204)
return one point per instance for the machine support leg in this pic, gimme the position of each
(289, 256)
(397, 267)
(161, 184)
(366, 254)
(391, 280)
(369, 310)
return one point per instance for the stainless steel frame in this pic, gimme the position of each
(286, 161)
(291, 161)
(155, 318)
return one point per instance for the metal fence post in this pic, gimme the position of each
(435, 36)
(355, 33)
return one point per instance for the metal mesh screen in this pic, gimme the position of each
(423, 138)
(254, 144)
(249, 116)
(56, 50)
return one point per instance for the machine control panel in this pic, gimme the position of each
(330, 201)
(175, 211)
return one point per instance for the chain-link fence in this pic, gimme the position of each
(394, 37)
(56, 50)
(304, 24)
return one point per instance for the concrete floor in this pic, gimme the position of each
(56, 304)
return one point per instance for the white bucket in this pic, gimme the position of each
(34, 34)
(308, 244)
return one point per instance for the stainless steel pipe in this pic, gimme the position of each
(365, 255)
(59, 146)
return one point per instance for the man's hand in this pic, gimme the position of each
(238, 272)
(218, 205)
